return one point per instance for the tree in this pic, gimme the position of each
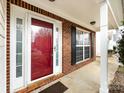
(123, 22)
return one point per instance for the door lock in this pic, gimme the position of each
(54, 48)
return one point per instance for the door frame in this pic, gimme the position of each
(13, 79)
(16, 11)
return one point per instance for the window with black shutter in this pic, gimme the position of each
(81, 45)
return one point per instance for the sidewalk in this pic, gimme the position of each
(85, 79)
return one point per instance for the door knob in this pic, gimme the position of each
(54, 48)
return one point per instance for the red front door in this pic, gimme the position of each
(41, 48)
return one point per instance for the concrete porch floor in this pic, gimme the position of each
(85, 79)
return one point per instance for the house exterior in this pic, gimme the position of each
(113, 37)
(42, 47)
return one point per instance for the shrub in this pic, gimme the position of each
(120, 48)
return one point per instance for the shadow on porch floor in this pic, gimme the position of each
(85, 79)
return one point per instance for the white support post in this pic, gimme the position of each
(104, 47)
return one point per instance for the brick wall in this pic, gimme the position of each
(66, 44)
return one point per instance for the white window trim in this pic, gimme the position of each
(80, 29)
(27, 76)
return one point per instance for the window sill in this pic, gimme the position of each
(83, 61)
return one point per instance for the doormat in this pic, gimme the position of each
(55, 88)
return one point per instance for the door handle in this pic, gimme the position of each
(54, 48)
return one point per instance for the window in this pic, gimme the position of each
(83, 45)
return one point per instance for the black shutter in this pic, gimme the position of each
(73, 45)
(92, 45)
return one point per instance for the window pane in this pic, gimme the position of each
(19, 29)
(87, 52)
(18, 47)
(86, 38)
(19, 21)
(18, 60)
(18, 71)
(79, 54)
(57, 47)
(19, 35)
(19, 25)
(79, 38)
(79, 49)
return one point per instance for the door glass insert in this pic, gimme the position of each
(57, 46)
(41, 48)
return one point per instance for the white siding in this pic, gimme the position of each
(2, 46)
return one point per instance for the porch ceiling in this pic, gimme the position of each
(81, 11)
(123, 8)
(117, 8)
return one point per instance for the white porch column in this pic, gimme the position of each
(104, 47)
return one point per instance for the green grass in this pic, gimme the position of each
(121, 69)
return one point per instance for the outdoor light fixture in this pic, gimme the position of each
(51, 0)
(93, 22)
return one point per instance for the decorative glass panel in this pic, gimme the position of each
(19, 35)
(18, 47)
(57, 47)
(19, 21)
(19, 71)
(19, 59)
(19, 28)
